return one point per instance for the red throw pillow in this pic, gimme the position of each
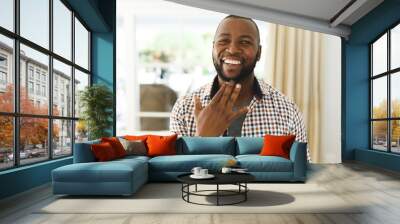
(161, 145)
(103, 151)
(116, 145)
(275, 145)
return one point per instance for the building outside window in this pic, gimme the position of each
(3, 72)
(44, 77)
(34, 78)
(30, 72)
(43, 90)
(30, 87)
(37, 75)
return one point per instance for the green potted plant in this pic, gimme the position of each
(96, 102)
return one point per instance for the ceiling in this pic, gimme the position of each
(327, 16)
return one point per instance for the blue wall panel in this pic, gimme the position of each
(103, 46)
(102, 58)
(356, 80)
(24, 178)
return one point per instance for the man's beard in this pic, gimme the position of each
(245, 72)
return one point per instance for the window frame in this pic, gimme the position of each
(16, 114)
(388, 74)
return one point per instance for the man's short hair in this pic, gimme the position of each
(245, 18)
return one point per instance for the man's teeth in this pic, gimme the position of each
(230, 61)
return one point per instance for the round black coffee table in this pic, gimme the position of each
(238, 179)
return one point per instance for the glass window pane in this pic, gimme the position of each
(379, 97)
(6, 142)
(395, 47)
(34, 97)
(81, 131)
(395, 95)
(81, 45)
(81, 81)
(6, 74)
(62, 29)
(62, 141)
(35, 21)
(7, 14)
(379, 55)
(379, 135)
(395, 138)
(33, 140)
(154, 124)
(62, 89)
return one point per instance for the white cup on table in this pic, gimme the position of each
(196, 171)
(203, 172)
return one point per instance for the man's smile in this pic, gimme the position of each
(231, 61)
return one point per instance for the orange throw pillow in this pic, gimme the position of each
(161, 145)
(116, 145)
(135, 138)
(103, 151)
(276, 145)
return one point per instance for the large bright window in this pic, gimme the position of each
(385, 91)
(40, 80)
(164, 51)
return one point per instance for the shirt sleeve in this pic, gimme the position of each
(177, 123)
(299, 128)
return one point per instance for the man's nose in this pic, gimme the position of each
(232, 48)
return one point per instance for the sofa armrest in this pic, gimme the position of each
(83, 152)
(298, 155)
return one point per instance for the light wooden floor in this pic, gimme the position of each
(378, 188)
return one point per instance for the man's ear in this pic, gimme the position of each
(259, 53)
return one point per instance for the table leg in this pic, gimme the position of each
(217, 194)
(196, 188)
(245, 191)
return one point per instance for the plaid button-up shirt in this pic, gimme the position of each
(270, 113)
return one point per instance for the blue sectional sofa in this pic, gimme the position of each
(125, 176)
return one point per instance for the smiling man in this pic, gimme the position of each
(236, 103)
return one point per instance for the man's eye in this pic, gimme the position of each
(245, 42)
(223, 41)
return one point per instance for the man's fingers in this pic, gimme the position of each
(234, 96)
(227, 93)
(239, 113)
(218, 95)
(197, 106)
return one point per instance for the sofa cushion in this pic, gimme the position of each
(131, 158)
(111, 171)
(185, 163)
(206, 145)
(249, 145)
(257, 163)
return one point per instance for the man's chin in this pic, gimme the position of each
(228, 78)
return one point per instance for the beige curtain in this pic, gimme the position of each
(294, 64)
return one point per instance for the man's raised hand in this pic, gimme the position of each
(215, 118)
